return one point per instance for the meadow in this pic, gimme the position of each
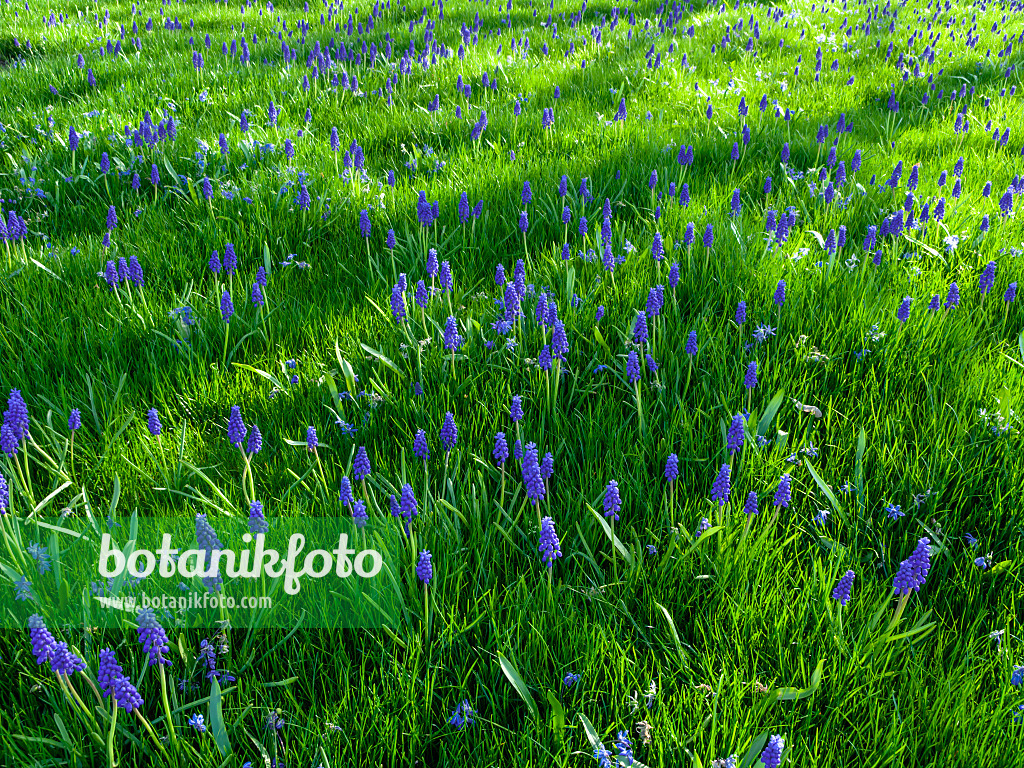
(679, 345)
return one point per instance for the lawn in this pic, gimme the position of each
(671, 354)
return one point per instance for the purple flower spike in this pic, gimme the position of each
(771, 757)
(43, 644)
(449, 432)
(550, 548)
(783, 494)
(842, 590)
(720, 489)
(913, 570)
(424, 568)
(153, 638)
(612, 500)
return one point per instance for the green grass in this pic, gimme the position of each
(721, 624)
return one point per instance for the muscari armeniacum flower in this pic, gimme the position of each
(208, 541)
(257, 522)
(842, 588)
(532, 477)
(913, 570)
(720, 489)
(550, 547)
(419, 445)
(783, 494)
(43, 643)
(500, 451)
(672, 467)
(771, 757)
(153, 638)
(612, 500)
(108, 671)
(424, 568)
(734, 437)
(449, 432)
(236, 427)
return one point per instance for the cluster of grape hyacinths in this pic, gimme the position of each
(43, 643)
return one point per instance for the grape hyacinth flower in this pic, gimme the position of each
(208, 541)
(633, 370)
(988, 278)
(532, 478)
(612, 500)
(734, 438)
(750, 505)
(153, 422)
(771, 757)
(720, 489)
(108, 671)
(255, 442)
(236, 427)
(227, 308)
(43, 643)
(672, 467)
(842, 589)
(424, 568)
(780, 293)
(153, 638)
(359, 514)
(449, 432)
(345, 493)
(550, 548)
(953, 296)
(64, 662)
(903, 313)
(419, 445)
(452, 338)
(500, 451)
(640, 333)
(125, 694)
(913, 570)
(516, 409)
(741, 313)
(361, 464)
(397, 303)
(691, 344)
(75, 420)
(750, 377)
(783, 494)
(257, 522)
